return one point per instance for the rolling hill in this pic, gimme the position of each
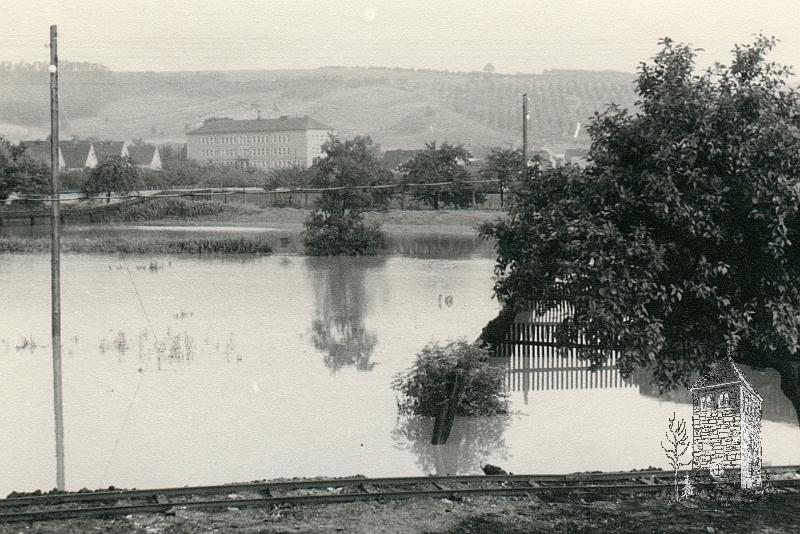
(398, 108)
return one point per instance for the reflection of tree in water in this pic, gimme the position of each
(767, 382)
(472, 441)
(341, 302)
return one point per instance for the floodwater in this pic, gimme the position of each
(185, 371)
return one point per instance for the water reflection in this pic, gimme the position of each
(439, 246)
(472, 442)
(776, 406)
(341, 301)
(282, 241)
(530, 372)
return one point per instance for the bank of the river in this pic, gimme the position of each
(397, 222)
(255, 222)
(586, 513)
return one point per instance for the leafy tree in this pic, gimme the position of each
(445, 164)
(114, 175)
(347, 173)
(681, 242)
(21, 174)
(505, 165)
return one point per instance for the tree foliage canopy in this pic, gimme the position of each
(681, 241)
(438, 165)
(347, 167)
(505, 165)
(115, 174)
(337, 225)
(21, 174)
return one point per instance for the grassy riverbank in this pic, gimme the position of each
(548, 513)
(175, 212)
(161, 244)
(180, 212)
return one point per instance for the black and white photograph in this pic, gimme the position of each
(411, 267)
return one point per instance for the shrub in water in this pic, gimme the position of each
(430, 381)
(327, 235)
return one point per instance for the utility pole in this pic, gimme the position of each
(525, 117)
(55, 260)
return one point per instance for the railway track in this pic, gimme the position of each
(109, 503)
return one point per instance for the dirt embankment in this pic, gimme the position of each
(575, 513)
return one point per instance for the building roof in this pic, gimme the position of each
(75, 154)
(394, 158)
(104, 149)
(142, 154)
(725, 372)
(224, 126)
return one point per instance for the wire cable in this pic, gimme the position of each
(141, 377)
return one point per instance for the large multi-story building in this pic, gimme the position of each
(259, 143)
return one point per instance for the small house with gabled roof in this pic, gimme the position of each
(108, 149)
(76, 155)
(145, 156)
(726, 423)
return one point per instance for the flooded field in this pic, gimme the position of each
(184, 370)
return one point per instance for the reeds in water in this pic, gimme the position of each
(144, 245)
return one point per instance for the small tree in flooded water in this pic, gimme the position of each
(348, 174)
(431, 380)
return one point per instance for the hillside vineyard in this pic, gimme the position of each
(398, 108)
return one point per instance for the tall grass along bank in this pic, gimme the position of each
(179, 209)
(140, 245)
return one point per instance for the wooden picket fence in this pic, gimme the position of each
(537, 362)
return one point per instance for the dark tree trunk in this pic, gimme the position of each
(496, 330)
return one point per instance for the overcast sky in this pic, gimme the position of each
(459, 35)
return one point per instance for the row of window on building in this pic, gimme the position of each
(710, 403)
(244, 139)
(233, 152)
(264, 164)
(722, 401)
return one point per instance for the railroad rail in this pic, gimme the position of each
(113, 502)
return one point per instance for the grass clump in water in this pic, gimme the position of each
(148, 245)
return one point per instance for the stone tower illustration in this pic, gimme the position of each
(726, 422)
